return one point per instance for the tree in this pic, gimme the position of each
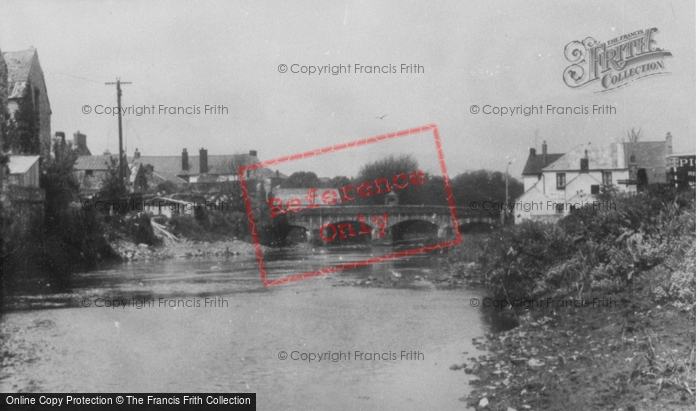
(23, 127)
(482, 186)
(389, 167)
(302, 179)
(432, 192)
(113, 185)
(59, 183)
(4, 140)
(338, 181)
(631, 136)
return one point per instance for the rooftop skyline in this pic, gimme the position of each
(228, 55)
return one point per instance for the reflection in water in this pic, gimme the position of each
(236, 347)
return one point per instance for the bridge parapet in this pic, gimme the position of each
(330, 211)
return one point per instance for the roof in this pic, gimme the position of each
(647, 154)
(167, 200)
(21, 164)
(535, 163)
(169, 177)
(23, 68)
(134, 172)
(285, 194)
(603, 157)
(95, 162)
(218, 164)
(19, 64)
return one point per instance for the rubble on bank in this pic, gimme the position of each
(182, 248)
(633, 356)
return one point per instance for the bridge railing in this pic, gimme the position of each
(462, 212)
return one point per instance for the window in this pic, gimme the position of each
(88, 173)
(595, 189)
(607, 178)
(633, 159)
(561, 181)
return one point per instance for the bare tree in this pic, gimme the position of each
(631, 136)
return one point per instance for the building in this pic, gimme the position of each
(169, 207)
(78, 144)
(25, 80)
(146, 172)
(573, 180)
(204, 167)
(3, 98)
(24, 171)
(532, 173)
(153, 179)
(91, 171)
(681, 169)
(647, 162)
(3, 104)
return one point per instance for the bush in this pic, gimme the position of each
(516, 258)
(75, 243)
(135, 228)
(601, 249)
(188, 227)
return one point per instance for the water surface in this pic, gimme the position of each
(52, 343)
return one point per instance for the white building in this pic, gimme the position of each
(573, 180)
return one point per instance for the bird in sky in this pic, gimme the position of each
(382, 117)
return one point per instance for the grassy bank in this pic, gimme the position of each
(605, 300)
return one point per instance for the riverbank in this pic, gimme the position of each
(625, 353)
(182, 248)
(605, 303)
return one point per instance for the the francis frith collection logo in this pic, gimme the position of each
(615, 63)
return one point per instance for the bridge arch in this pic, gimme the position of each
(412, 230)
(344, 232)
(297, 233)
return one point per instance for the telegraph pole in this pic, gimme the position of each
(119, 107)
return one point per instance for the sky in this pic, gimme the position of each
(224, 53)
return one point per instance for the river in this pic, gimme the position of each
(53, 342)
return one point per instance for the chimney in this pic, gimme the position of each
(253, 153)
(136, 154)
(669, 144)
(79, 139)
(185, 160)
(203, 165)
(533, 152)
(544, 153)
(61, 135)
(584, 162)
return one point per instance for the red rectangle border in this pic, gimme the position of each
(242, 171)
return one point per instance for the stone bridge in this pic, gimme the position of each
(384, 222)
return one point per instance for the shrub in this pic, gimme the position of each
(595, 249)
